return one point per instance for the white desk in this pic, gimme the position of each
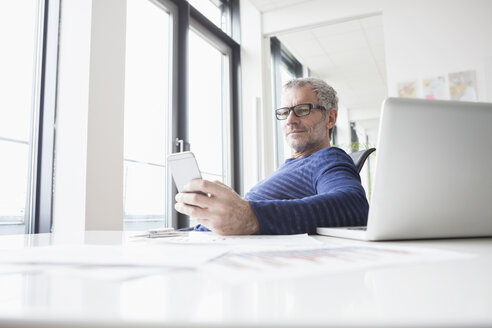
(450, 293)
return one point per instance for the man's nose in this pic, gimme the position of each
(292, 118)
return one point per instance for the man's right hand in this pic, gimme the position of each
(219, 208)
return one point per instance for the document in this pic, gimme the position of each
(243, 243)
(227, 258)
(141, 256)
(170, 256)
(280, 264)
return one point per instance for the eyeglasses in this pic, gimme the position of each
(299, 110)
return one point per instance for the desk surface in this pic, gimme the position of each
(448, 293)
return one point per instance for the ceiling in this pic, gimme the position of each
(349, 55)
(268, 5)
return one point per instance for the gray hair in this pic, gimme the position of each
(327, 96)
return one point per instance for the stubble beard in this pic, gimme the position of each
(304, 144)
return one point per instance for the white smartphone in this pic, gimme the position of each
(184, 168)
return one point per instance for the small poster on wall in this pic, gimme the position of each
(434, 88)
(407, 89)
(463, 86)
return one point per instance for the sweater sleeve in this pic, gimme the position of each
(340, 201)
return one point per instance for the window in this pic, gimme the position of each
(146, 143)
(161, 72)
(209, 108)
(217, 11)
(181, 94)
(209, 101)
(284, 68)
(213, 112)
(27, 114)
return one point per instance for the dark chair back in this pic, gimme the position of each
(359, 157)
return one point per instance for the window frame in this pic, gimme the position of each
(280, 55)
(185, 17)
(171, 9)
(39, 199)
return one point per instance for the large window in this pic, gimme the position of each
(23, 115)
(284, 68)
(213, 113)
(210, 110)
(180, 94)
(181, 84)
(146, 115)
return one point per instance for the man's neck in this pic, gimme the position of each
(310, 151)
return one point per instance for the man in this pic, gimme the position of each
(318, 186)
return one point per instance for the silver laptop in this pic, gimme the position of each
(433, 175)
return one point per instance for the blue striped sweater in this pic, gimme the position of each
(319, 190)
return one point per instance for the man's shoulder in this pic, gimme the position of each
(331, 154)
(332, 159)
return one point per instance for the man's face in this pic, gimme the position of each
(307, 134)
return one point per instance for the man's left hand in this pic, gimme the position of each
(219, 208)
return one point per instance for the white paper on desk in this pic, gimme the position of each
(87, 272)
(244, 243)
(113, 273)
(244, 266)
(177, 256)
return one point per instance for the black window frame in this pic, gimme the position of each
(42, 149)
(281, 56)
(185, 13)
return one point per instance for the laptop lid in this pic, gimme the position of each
(433, 176)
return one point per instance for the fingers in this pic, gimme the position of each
(190, 210)
(205, 186)
(193, 198)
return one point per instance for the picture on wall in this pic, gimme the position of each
(463, 86)
(434, 88)
(407, 89)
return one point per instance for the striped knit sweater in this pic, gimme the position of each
(319, 190)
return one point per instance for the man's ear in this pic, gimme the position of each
(332, 118)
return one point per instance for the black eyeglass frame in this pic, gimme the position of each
(293, 108)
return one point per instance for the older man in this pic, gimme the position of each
(318, 186)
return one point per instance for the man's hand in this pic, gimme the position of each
(219, 208)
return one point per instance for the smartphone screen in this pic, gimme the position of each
(184, 168)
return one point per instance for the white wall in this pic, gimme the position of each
(104, 199)
(423, 38)
(252, 93)
(88, 187)
(428, 38)
(343, 127)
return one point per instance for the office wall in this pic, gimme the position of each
(430, 38)
(343, 126)
(423, 39)
(88, 186)
(251, 95)
(104, 199)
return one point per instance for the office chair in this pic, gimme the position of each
(360, 157)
